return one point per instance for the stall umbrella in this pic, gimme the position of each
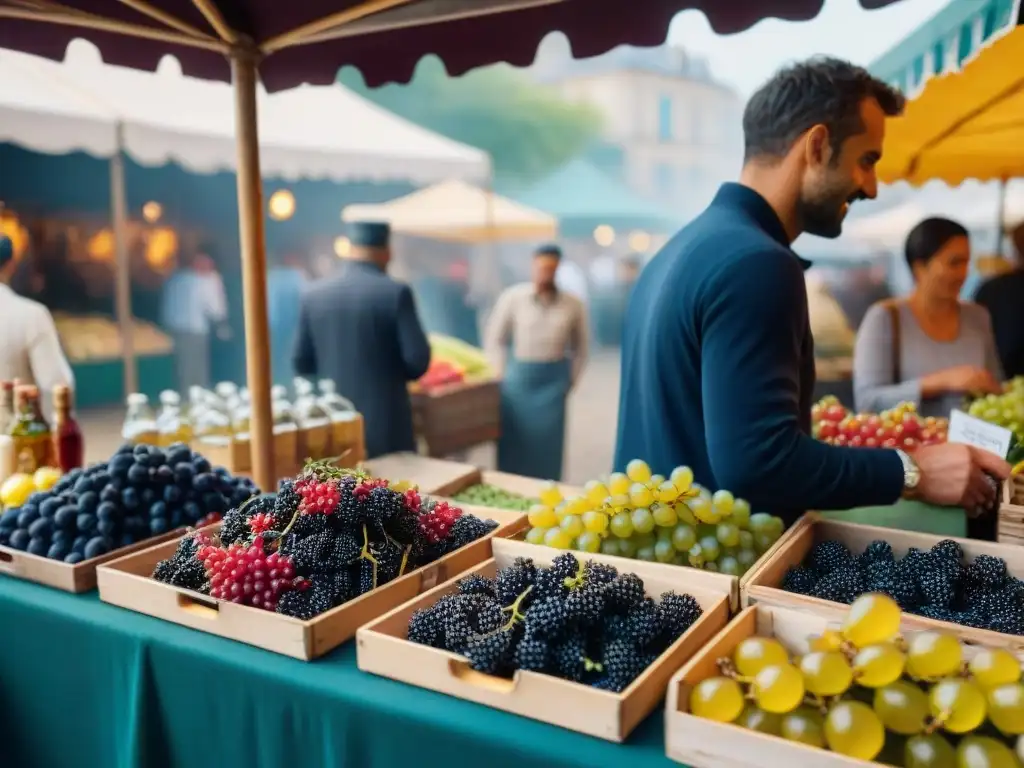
(286, 44)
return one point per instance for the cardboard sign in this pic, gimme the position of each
(981, 434)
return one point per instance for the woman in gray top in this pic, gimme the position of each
(930, 349)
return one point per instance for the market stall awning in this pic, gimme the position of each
(964, 125)
(454, 210)
(308, 132)
(582, 198)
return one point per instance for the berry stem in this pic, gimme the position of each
(405, 560)
(365, 554)
(514, 609)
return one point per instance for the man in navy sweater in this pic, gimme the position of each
(717, 354)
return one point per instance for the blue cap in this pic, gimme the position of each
(6, 250)
(370, 234)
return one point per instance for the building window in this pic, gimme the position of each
(665, 118)
(664, 179)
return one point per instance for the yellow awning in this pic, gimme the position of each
(455, 210)
(964, 125)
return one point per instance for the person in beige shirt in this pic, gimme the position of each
(537, 338)
(30, 349)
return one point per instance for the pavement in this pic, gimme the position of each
(590, 433)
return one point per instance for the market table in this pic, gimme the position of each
(83, 683)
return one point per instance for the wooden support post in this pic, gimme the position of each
(122, 265)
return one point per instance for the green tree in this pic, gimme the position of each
(527, 129)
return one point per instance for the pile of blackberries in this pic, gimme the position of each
(937, 583)
(583, 622)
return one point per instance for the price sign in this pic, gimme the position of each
(981, 434)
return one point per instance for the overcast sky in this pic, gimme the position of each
(842, 29)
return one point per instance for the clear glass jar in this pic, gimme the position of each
(139, 421)
(171, 422)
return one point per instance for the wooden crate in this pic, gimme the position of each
(126, 582)
(764, 585)
(77, 578)
(1011, 512)
(528, 487)
(433, 476)
(383, 649)
(458, 416)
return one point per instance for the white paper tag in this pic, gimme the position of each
(981, 434)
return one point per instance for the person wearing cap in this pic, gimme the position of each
(360, 328)
(1003, 297)
(537, 337)
(30, 348)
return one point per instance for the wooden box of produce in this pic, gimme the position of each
(128, 582)
(488, 488)
(384, 648)
(433, 476)
(981, 577)
(1011, 512)
(455, 417)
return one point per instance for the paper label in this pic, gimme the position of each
(981, 434)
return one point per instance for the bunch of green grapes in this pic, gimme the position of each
(1006, 409)
(863, 689)
(650, 517)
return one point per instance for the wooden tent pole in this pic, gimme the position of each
(244, 59)
(122, 265)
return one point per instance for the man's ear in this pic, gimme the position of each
(817, 146)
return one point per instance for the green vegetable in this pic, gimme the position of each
(484, 495)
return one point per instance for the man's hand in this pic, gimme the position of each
(953, 474)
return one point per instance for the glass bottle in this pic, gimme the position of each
(139, 422)
(171, 422)
(281, 409)
(7, 462)
(33, 440)
(314, 421)
(68, 444)
(240, 412)
(339, 408)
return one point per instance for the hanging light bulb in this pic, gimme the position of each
(152, 211)
(281, 205)
(604, 235)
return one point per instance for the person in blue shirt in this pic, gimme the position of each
(717, 356)
(285, 283)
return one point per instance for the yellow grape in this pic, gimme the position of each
(778, 688)
(931, 655)
(655, 481)
(681, 478)
(557, 538)
(578, 505)
(853, 729)
(992, 667)
(595, 522)
(723, 502)
(618, 484)
(717, 698)
(878, 665)
(829, 640)
(872, 618)
(957, 704)
(1006, 708)
(664, 515)
(984, 752)
(550, 495)
(1019, 749)
(826, 673)
(640, 495)
(902, 707)
(741, 513)
(755, 653)
(541, 516)
(572, 525)
(684, 513)
(562, 511)
(596, 492)
(619, 501)
(756, 719)
(622, 525)
(638, 471)
(589, 542)
(536, 535)
(928, 751)
(804, 726)
(667, 492)
(702, 509)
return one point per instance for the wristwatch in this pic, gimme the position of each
(911, 474)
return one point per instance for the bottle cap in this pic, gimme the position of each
(61, 394)
(137, 398)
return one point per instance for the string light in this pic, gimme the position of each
(281, 205)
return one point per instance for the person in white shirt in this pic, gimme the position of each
(194, 303)
(30, 349)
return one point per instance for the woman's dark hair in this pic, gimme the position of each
(927, 239)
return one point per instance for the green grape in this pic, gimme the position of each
(695, 556)
(648, 539)
(753, 654)
(701, 508)
(756, 719)
(746, 540)
(928, 751)
(878, 665)
(776, 527)
(610, 546)
(717, 698)
(778, 688)
(805, 726)
(542, 516)
(712, 549)
(746, 558)
(763, 542)
(740, 513)
(729, 565)
(684, 513)
(681, 478)
(902, 707)
(595, 522)
(562, 511)
(627, 548)
(622, 525)
(760, 522)
(596, 492)
(993, 667)
(1006, 708)
(723, 502)
(589, 541)
(728, 534)
(640, 495)
(984, 752)
(853, 729)
(664, 515)
(618, 484)
(643, 520)
(958, 705)
(826, 673)
(664, 551)
(557, 538)
(931, 655)
(646, 553)
(572, 525)
(712, 567)
(536, 535)
(873, 618)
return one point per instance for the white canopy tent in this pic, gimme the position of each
(324, 132)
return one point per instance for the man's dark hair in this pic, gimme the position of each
(820, 90)
(549, 249)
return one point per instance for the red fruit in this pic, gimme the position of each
(816, 413)
(437, 523)
(239, 574)
(834, 413)
(867, 431)
(911, 424)
(909, 442)
(827, 430)
(890, 443)
(856, 441)
(870, 442)
(840, 440)
(927, 435)
(873, 421)
(411, 499)
(319, 498)
(261, 523)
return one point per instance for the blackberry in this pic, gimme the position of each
(296, 604)
(492, 653)
(891, 579)
(367, 577)
(585, 604)
(841, 586)
(569, 657)
(382, 505)
(828, 556)
(878, 551)
(936, 581)
(190, 574)
(565, 566)
(324, 594)
(949, 549)
(914, 558)
(513, 580)
(345, 549)
(942, 613)
(599, 573)
(547, 584)
(391, 561)
(532, 654)
(286, 503)
(465, 616)
(623, 592)
(404, 527)
(677, 613)
(547, 617)
(426, 627)
(987, 571)
(309, 553)
(306, 524)
(233, 527)
(622, 663)
(799, 580)
(465, 530)
(614, 626)
(476, 585)
(1009, 623)
(643, 623)
(350, 509)
(164, 571)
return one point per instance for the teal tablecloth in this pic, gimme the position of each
(87, 685)
(908, 516)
